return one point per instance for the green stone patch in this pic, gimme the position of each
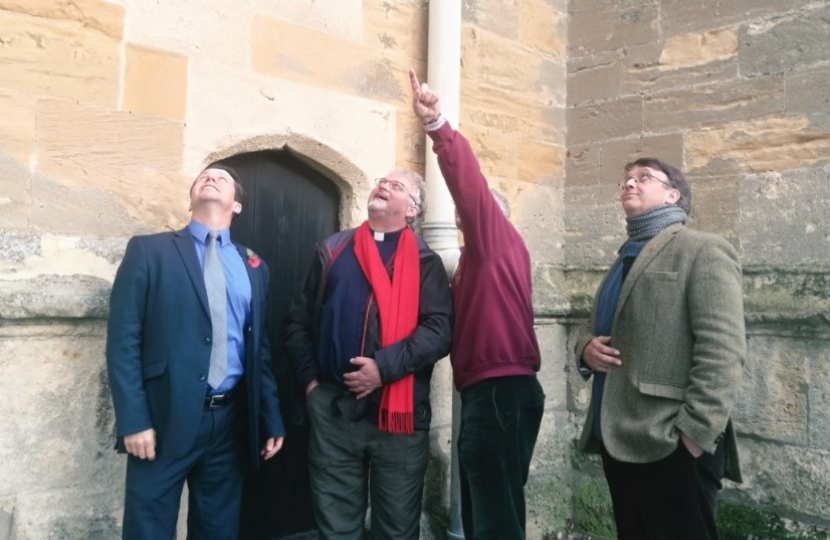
(741, 522)
(593, 512)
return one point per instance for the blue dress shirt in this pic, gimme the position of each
(238, 288)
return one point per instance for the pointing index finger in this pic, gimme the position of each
(413, 80)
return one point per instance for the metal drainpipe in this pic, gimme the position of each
(444, 75)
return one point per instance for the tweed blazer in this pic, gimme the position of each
(679, 327)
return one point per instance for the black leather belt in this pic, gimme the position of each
(219, 400)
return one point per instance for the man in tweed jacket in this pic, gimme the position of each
(665, 345)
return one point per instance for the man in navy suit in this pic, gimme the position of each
(174, 425)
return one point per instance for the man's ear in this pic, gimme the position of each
(673, 197)
(411, 211)
(237, 207)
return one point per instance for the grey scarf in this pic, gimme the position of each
(652, 221)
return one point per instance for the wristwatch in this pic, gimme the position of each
(584, 369)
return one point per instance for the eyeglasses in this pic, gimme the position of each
(642, 179)
(396, 186)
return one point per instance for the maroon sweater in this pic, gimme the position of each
(493, 333)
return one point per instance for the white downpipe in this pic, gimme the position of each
(444, 76)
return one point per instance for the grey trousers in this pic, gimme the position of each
(351, 462)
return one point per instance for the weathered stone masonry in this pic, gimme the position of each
(108, 107)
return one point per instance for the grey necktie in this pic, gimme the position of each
(215, 285)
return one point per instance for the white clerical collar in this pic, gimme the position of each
(378, 236)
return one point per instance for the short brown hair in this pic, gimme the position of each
(676, 179)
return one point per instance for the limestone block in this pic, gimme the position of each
(715, 206)
(764, 144)
(502, 63)
(68, 50)
(595, 83)
(611, 29)
(679, 62)
(794, 298)
(54, 296)
(552, 339)
(399, 28)
(579, 390)
(609, 120)
(17, 131)
(792, 479)
(549, 296)
(700, 48)
(16, 245)
(579, 60)
(6, 517)
(412, 142)
(292, 52)
(594, 225)
(772, 400)
(83, 210)
(15, 186)
(30, 256)
(497, 16)
(539, 217)
(497, 152)
(59, 422)
(808, 92)
(342, 18)
(681, 17)
(89, 512)
(819, 393)
(583, 165)
(214, 29)
(800, 231)
(786, 44)
(657, 78)
(714, 104)
(581, 6)
(353, 138)
(541, 163)
(616, 154)
(131, 178)
(508, 112)
(543, 28)
(155, 83)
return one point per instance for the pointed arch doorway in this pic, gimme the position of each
(288, 206)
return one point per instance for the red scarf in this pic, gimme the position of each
(398, 310)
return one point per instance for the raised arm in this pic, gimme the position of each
(484, 224)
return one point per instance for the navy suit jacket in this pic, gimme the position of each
(159, 342)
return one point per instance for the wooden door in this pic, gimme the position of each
(288, 206)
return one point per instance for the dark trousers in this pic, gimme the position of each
(674, 498)
(350, 461)
(500, 419)
(213, 472)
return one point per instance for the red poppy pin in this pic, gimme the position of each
(253, 258)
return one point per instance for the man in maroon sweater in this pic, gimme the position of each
(495, 355)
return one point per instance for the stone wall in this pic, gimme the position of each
(110, 107)
(736, 95)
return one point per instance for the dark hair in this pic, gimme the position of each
(676, 179)
(238, 191)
